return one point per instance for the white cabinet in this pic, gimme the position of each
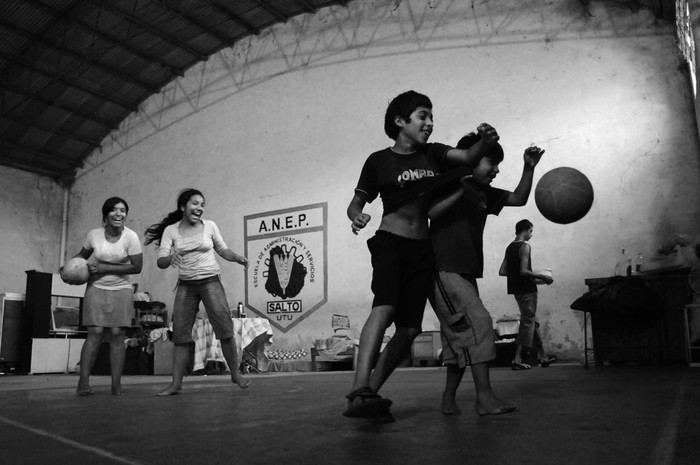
(55, 355)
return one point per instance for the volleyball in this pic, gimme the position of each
(564, 195)
(75, 271)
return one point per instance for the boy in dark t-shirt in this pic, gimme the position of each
(457, 226)
(401, 254)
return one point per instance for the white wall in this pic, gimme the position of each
(287, 119)
(30, 227)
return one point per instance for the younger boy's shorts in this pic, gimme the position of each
(465, 324)
(401, 276)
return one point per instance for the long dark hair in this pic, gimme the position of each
(109, 205)
(154, 233)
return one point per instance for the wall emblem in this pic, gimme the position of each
(286, 280)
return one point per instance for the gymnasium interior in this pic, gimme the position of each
(270, 108)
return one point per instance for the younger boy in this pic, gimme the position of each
(402, 259)
(522, 283)
(457, 226)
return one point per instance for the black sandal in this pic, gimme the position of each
(364, 402)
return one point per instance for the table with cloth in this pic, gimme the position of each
(251, 334)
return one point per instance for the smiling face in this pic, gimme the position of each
(193, 210)
(486, 171)
(116, 217)
(418, 128)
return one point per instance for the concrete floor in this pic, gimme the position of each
(569, 415)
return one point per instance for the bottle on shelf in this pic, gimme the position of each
(623, 266)
(240, 310)
(637, 262)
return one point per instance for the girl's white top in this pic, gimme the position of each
(199, 262)
(118, 252)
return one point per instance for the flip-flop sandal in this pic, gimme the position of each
(545, 362)
(364, 402)
(85, 392)
(519, 366)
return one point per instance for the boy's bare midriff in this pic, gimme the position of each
(407, 221)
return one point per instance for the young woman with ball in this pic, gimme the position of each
(115, 253)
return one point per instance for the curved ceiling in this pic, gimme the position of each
(72, 70)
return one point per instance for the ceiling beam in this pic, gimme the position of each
(236, 19)
(80, 58)
(307, 6)
(90, 29)
(175, 42)
(57, 131)
(21, 63)
(111, 125)
(63, 177)
(192, 20)
(280, 17)
(43, 156)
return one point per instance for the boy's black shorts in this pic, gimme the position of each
(402, 275)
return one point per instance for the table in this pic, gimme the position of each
(251, 335)
(663, 341)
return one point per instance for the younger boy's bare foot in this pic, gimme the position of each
(83, 392)
(449, 405)
(242, 382)
(169, 391)
(492, 405)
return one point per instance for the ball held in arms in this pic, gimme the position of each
(75, 271)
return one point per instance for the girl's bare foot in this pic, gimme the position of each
(84, 389)
(169, 391)
(240, 381)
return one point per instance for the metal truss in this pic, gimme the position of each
(371, 29)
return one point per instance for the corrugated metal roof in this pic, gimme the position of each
(72, 70)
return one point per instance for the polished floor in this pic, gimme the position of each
(569, 415)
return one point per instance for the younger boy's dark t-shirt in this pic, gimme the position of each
(388, 173)
(457, 235)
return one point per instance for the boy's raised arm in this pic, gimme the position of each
(519, 196)
(473, 154)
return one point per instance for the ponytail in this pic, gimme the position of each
(154, 233)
